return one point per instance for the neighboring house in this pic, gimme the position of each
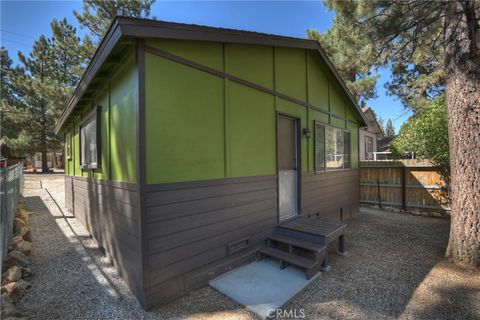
(54, 160)
(384, 151)
(383, 148)
(7, 158)
(186, 146)
(369, 135)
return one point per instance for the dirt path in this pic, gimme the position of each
(394, 270)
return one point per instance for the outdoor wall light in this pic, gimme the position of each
(307, 133)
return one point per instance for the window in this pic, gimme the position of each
(68, 146)
(332, 148)
(89, 141)
(368, 148)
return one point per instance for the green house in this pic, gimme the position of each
(186, 146)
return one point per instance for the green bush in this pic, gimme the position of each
(426, 134)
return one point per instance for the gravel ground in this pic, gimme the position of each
(393, 270)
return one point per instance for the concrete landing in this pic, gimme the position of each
(261, 286)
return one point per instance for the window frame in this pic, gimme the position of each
(68, 141)
(368, 139)
(93, 114)
(325, 169)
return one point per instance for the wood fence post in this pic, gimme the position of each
(404, 188)
(379, 194)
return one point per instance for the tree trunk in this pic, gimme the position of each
(54, 159)
(462, 63)
(44, 151)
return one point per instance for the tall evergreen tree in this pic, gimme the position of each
(10, 125)
(381, 122)
(389, 129)
(6, 67)
(418, 75)
(41, 86)
(449, 32)
(71, 54)
(351, 53)
(97, 15)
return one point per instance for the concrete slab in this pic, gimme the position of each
(262, 286)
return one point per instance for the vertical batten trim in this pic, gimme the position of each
(275, 78)
(308, 110)
(226, 116)
(141, 171)
(329, 102)
(109, 113)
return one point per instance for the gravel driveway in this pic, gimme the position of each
(394, 270)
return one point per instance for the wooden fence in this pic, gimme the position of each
(404, 183)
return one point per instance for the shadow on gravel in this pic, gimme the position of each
(63, 285)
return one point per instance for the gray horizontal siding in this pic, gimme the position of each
(191, 224)
(109, 211)
(327, 193)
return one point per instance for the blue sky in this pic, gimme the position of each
(24, 21)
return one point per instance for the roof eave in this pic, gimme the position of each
(361, 116)
(102, 53)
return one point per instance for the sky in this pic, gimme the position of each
(24, 21)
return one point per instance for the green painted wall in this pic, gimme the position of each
(317, 82)
(206, 53)
(353, 127)
(76, 155)
(337, 122)
(117, 99)
(184, 122)
(201, 126)
(123, 123)
(103, 100)
(239, 62)
(291, 72)
(337, 104)
(251, 132)
(351, 113)
(69, 164)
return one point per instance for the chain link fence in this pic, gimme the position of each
(11, 183)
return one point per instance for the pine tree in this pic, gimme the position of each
(6, 67)
(446, 32)
(97, 15)
(351, 53)
(71, 54)
(389, 129)
(42, 86)
(10, 125)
